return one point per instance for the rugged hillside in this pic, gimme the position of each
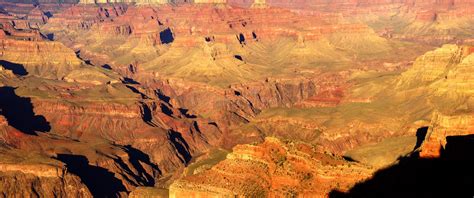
(238, 61)
(272, 168)
(447, 121)
(46, 59)
(31, 174)
(123, 138)
(149, 99)
(222, 45)
(421, 98)
(107, 127)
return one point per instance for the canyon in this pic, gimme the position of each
(346, 98)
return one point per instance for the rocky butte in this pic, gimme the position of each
(236, 98)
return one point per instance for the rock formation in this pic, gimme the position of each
(148, 99)
(272, 168)
(442, 128)
(452, 90)
(30, 174)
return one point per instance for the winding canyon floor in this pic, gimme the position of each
(237, 99)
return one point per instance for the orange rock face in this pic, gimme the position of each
(272, 169)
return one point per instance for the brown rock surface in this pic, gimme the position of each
(273, 168)
(30, 174)
(45, 58)
(453, 96)
(442, 128)
(141, 95)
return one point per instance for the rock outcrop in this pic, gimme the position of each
(433, 66)
(442, 128)
(273, 168)
(45, 58)
(29, 174)
(452, 95)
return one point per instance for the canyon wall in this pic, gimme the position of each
(135, 94)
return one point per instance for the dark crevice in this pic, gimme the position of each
(78, 55)
(147, 116)
(214, 124)
(347, 158)
(127, 80)
(254, 36)
(242, 118)
(48, 14)
(137, 156)
(162, 96)
(196, 126)
(420, 136)
(99, 181)
(181, 146)
(135, 90)
(107, 66)
(136, 159)
(186, 114)
(241, 38)
(50, 36)
(166, 110)
(166, 36)
(19, 112)
(17, 69)
(132, 68)
(239, 57)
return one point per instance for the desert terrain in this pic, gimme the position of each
(236, 98)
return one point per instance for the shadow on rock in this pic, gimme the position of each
(420, 137)
(17, 69)
(99, 181)
(166, 36)
(138, 158)
(450, 175)
(181, 146)
(19, 112)
(186, 113)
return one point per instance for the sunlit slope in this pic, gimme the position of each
(396, 105)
